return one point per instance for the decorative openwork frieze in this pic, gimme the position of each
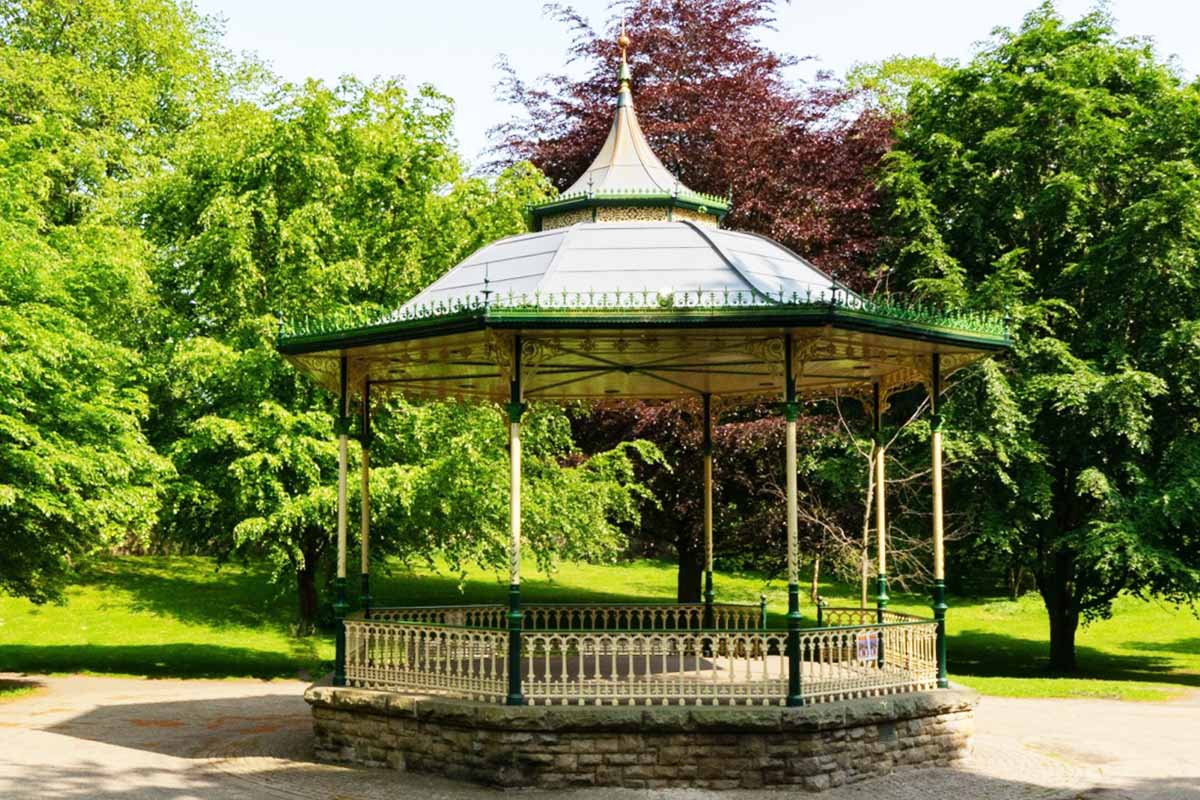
(642, 300)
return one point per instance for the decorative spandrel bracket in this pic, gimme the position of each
(499, 349)
(769, 351)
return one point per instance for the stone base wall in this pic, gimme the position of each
(814, 747)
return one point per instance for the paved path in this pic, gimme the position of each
(102, 738)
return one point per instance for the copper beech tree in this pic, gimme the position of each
(721, 113)
(719, 110)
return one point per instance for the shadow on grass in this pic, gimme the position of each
(194, 590)
(408, 589)
(1190, 645)
(995, 655)
(12, 688)
(163, 661)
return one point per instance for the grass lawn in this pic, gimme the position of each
(181, 617)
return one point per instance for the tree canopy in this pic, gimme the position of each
(1057, 175)
(92, 92)
(720, 112)
(317, 199)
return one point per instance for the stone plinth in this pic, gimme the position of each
(814, 747)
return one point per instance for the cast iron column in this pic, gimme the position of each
(342, 429)
(881, 598)
(791, 410)
(939, 556)
(365, 533)
(515, 409)
(708, 513)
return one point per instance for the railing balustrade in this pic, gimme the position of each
(431, 659)
(637, 653)
(653, 667)
(829, 616)
(865, 660)
(649, 616)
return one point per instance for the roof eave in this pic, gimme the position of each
(469, 320)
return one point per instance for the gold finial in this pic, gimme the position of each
(623, 41)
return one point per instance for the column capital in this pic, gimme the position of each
(935, 422)
(342, 425)
(790, 411)
(515, 411)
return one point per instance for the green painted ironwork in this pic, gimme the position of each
(706, 449)
(340, 607)
(939, 614)
(629, 198)
(515, 617)
(790, 410)
(685, 308)
(939, 585)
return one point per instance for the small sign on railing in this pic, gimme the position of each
(867, 646)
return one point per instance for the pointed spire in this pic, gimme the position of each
(627, 172)
(624, 95)
(625, 162)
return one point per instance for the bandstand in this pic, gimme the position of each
(628, 286)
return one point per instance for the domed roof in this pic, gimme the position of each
(627, 286)
(639, 260)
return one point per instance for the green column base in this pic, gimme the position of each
(339, 614)
(364, 595)
(708, 621)
(939, 614)
(709, 596)
(794, 696)
(881, 603)
(515, 617)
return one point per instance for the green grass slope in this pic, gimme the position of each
(183, 617)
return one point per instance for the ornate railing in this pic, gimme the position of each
(476, 616)
(643, 616)
(427, 658)
(654, 667)
(586, 616)
(839, 663)
(638, 653)
(831, 616)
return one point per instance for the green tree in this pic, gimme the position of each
(1058, 175)
(888, 83)
(92, 92)
(312, 201)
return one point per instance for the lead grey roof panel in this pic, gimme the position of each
(626, 257)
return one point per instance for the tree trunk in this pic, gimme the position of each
(1057, 586)
(306, 586)
(1062, 641)
(689, 586)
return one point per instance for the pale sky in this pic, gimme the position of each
(454, 44)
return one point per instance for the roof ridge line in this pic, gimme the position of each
(562, 246)
(737, 270)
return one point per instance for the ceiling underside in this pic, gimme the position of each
(654, 364)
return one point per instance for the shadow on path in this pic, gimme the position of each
(264, 725)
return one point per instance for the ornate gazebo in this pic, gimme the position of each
(628, 286)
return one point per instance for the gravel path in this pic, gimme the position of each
(82, 737)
